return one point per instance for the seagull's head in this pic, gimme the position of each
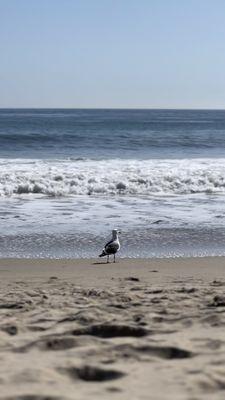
(115, 232)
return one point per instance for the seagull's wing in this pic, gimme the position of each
(112, 247)
(108, 244)
(105, 250)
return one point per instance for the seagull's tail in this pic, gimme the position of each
(102, 254)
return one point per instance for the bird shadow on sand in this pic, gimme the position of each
(101, 263)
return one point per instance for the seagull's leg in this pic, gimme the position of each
(108, 259)
(114, 258)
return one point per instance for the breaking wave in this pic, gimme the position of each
(111, 177)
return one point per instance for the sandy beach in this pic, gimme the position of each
(137, 329)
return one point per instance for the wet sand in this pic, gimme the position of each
(137, 329)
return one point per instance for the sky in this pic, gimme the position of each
(112, 53)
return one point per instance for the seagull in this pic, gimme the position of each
(111, 247)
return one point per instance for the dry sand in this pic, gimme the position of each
(137, 329)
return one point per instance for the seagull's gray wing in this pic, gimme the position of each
(111, 247)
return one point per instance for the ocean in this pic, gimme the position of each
(69, 176)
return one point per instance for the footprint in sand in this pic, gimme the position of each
(132, 279)
(218, 301)
(52, 343)
(111, 330)
(10, 329)
(166, 352)
(93, 374)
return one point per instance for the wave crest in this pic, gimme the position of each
(111, 177)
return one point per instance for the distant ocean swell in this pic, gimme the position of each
(111, 177)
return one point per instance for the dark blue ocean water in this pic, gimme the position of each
(65, 133)
(68, 177)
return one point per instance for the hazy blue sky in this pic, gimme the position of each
(112, 53)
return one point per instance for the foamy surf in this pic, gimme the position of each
(111, 177)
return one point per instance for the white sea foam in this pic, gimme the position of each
(111, 177)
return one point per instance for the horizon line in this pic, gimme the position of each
(116, 108)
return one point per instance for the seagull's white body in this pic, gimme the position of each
(112, 246)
